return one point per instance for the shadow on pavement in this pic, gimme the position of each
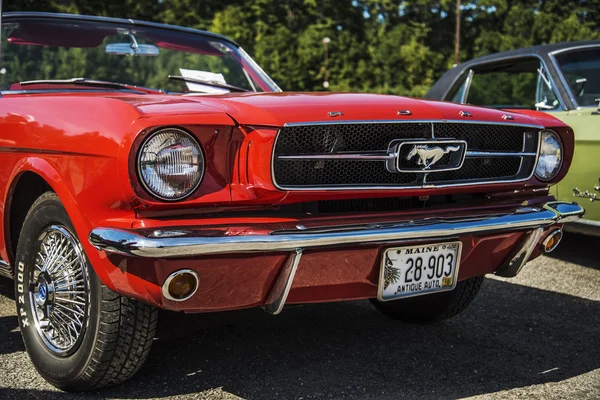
(507, 339)
(10, 338)
(578, 249)
(512, 336)
(10, 335)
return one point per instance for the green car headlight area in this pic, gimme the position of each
(550, 158)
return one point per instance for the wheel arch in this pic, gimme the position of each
(30, 178)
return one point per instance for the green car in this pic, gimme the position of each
(562, 79)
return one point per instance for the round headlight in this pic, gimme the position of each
(170, 164)
(550, 158)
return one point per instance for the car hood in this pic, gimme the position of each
(277, 109)
(281, 108)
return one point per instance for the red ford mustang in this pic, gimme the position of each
(147, 166)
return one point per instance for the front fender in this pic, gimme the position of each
(81, 201)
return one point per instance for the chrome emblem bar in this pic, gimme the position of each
(426, 155)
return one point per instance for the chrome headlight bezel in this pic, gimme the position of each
(553, 134)
(201, 164)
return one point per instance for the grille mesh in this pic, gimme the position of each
(312, 139)
(479, 168)
(338, 173)
(377, 137)
(484, 137)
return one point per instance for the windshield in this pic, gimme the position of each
(59, 49)
(581, 69)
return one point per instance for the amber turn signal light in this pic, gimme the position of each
(180, 285)
(552, 241)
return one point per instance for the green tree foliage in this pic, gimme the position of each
(386, 46)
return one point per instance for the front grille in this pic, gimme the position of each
(363, 155)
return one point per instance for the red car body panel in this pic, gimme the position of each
(233, 282)
(83, 146)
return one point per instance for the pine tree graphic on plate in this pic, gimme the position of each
(391, 274)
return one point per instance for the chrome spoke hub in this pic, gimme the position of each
(59, 290)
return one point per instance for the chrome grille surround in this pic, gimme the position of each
(356, 155)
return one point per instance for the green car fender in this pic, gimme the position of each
(582, 181)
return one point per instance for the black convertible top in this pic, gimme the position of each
(441, 87)
(541, 50)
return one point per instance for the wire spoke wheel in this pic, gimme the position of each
(59, 290)
(79, 334)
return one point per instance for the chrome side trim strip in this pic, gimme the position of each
(386, 157)
(513, 266)
(283, 284)
(412, 121)
(342, 156)
(498, 154)
(133, 243)
(391, 187)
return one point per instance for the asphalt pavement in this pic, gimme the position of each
(536, 336)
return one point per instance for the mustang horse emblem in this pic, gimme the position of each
(429, 155)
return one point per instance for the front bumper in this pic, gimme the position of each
(218, 255)
(191, 243)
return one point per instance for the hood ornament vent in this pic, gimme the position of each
(334, 114)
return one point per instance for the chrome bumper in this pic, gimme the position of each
(177, 243)
(190, 244)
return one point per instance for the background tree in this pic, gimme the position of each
(387, 46)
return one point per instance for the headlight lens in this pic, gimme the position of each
(551, 155)
(170, 164)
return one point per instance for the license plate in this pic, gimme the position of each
(417, 270)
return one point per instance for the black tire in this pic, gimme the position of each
(115, 332)
(433, 307)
